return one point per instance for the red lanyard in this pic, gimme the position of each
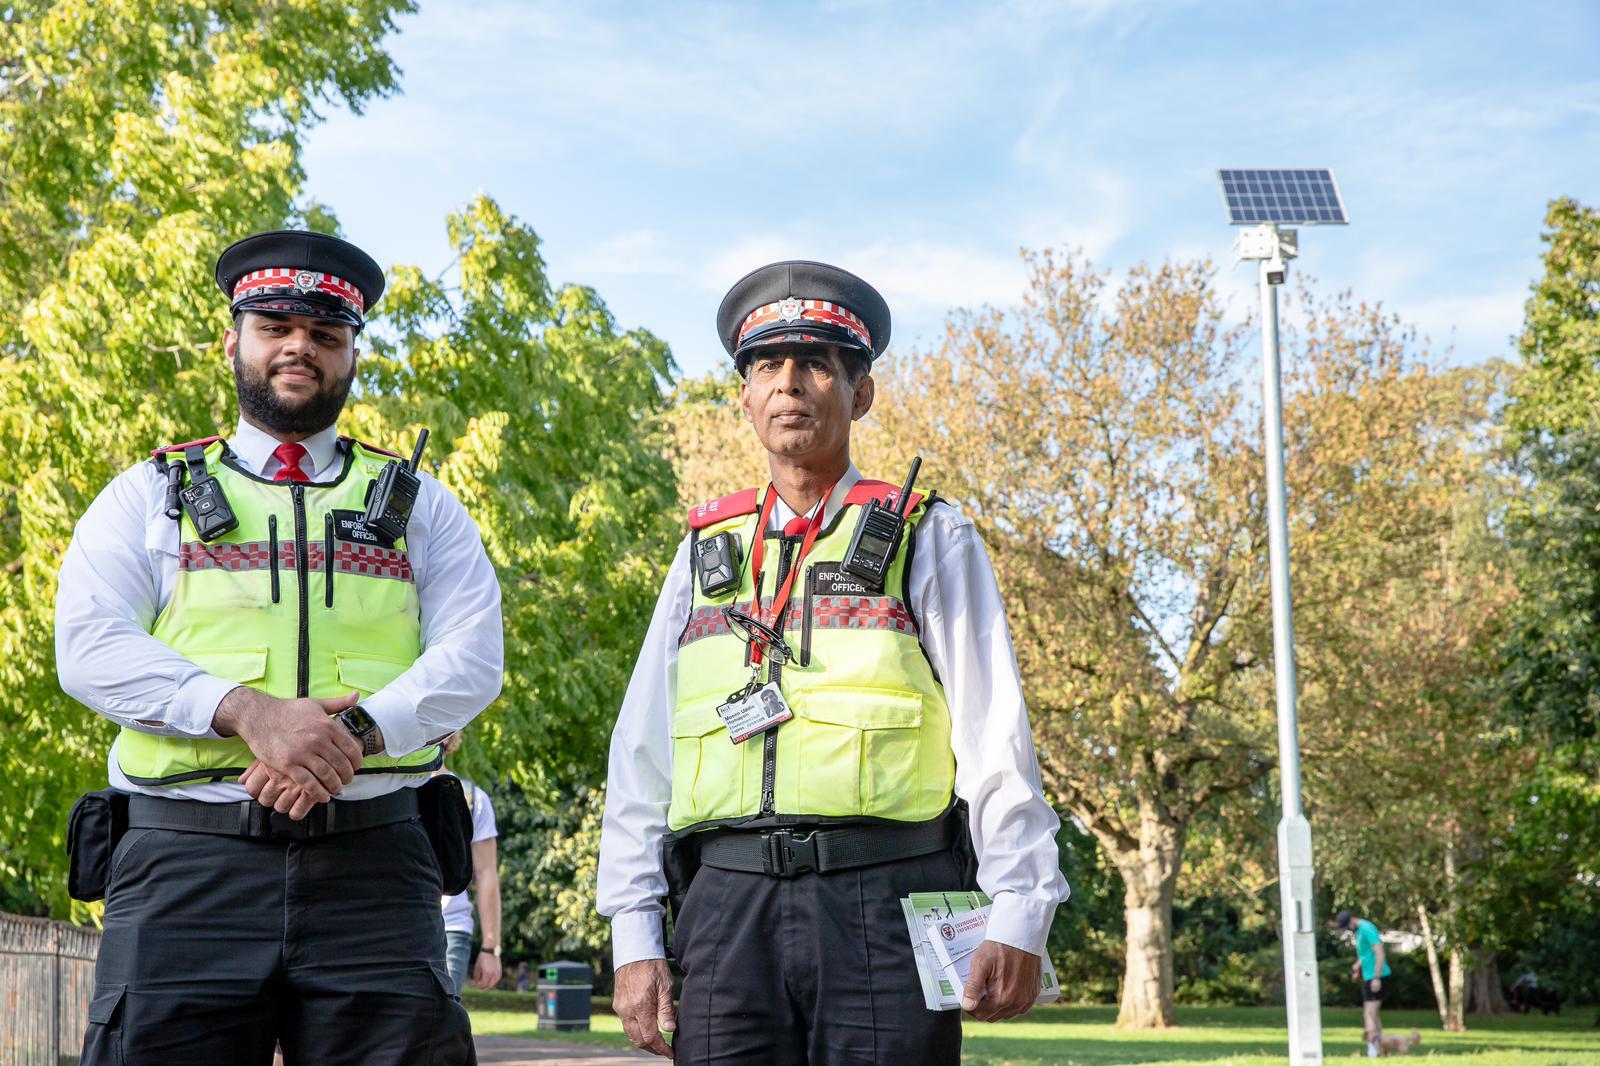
(758, 553)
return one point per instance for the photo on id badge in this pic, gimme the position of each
(754, 711)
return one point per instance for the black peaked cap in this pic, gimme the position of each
(311, 260)
(802, 279)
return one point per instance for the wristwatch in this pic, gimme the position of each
(495, 951)
(363, 727)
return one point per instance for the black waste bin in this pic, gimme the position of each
(563, 992)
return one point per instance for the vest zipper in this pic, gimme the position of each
(805, 622)
(769, 742)
(302, 569)
(272, 548)
(327, 559)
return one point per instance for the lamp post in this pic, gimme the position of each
(1263, 200)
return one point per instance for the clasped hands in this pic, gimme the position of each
(303, 754)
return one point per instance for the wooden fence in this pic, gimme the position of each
(46, 979)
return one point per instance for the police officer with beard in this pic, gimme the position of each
(281, 673)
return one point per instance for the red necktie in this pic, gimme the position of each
(796, 526)
(290, 454)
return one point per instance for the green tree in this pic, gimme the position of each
(124, 179)
(1546, 873)
(552, 417)
(137, 138)
(1553, 427)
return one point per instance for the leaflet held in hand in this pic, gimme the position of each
(946, 929)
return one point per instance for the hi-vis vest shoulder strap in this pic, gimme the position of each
(870, 737)
(302, 599)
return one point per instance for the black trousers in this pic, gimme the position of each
(815, 969)
(217, 947)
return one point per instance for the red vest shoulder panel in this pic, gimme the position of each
(708, 514)
(373, 447)
(180, 447)
(884, 492)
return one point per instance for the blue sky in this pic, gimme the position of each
(663, 151)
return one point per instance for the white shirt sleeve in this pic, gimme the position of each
(107, 600)
(631, 884)
(957, 603)
(462, 665)
(483, 825)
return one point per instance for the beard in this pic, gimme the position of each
(259, 400)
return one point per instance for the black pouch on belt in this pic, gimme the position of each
(966, 854)
(96, 823)
(442, 803)
(680, 861)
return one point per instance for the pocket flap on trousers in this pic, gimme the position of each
(104, 1005)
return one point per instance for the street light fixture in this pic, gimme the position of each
(1265, 200)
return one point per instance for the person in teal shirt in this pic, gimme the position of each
(1370, 968)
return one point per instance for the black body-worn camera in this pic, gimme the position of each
(391, 497)
(716, 560)
(878, 533)
(204, 501)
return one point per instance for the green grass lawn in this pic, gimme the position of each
(1085, 1036)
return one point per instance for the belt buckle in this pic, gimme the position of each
(275, 826)
(785, 853)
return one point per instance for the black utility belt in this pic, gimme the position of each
(251, 820)
(789, 852)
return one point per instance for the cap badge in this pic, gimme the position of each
(305, 281)
(789, 310)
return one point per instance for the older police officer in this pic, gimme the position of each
(809, 745)
(281, 672)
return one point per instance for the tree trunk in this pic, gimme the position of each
(1484, 995)
(1440, 996)
(1149, 878)
(1457, 1022)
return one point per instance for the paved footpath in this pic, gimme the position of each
(519, 1051)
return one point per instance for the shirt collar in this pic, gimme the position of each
(254, 447)
(782, 513)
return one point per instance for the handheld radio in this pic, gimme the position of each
(203, 500)
(391, 497)
(878, 532)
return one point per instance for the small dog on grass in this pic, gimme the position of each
(1396, 1043)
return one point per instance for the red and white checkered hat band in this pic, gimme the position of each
(286, 280)
(820, 312)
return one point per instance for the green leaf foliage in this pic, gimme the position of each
(1552, 669)
(550, 414)
(137, 139)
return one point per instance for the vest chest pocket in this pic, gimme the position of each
(707, 774)
(367, 673)
(857, 751)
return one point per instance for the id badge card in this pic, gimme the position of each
(754, 711)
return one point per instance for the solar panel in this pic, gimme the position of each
(1297, 197)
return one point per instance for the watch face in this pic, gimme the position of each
(358, 717)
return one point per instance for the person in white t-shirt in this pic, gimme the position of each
(485, 886)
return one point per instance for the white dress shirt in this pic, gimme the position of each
(954, 597)
(119, 573)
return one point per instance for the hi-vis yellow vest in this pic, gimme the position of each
(300, 600)
(870, 736)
